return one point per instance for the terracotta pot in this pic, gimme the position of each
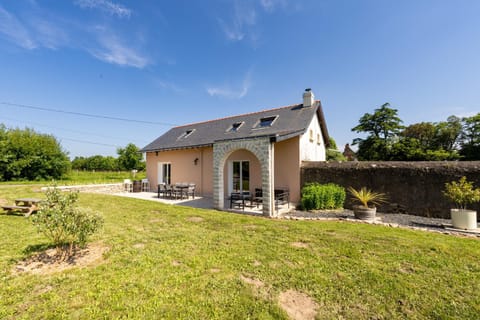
(464, 219)
(364, 213)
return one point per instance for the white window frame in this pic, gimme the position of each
(160, 172)
(230, 175)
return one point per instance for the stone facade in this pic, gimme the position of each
(263, 149)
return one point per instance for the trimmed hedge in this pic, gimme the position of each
(317, 196)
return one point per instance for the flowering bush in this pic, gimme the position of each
(60, 220)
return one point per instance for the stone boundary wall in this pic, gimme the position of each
(412, 187)
(93, 188)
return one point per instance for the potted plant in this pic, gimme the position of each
(367, 199)
(462, 193)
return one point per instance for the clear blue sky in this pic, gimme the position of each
(183, 61)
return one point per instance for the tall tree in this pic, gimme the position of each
(423, 132)
(382, 127)
(428, 141)
(448, 133)
(470, 138)
(130, 158)
(383, 124)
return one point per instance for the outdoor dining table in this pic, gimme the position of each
(182, 188)
(27, 202)
(25, 205)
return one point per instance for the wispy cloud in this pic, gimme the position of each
(112, 50)
(15, 31)
(49, 35)
(244, 18)
(109, 7)
(271, 5)
(38, 28)
(241, 23)
(227, 91)
(167, 85)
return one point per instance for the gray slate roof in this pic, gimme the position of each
(291, 121)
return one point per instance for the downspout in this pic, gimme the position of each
(201, 171)
(272, 190)
(273, 140)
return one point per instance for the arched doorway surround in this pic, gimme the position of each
(263, 149)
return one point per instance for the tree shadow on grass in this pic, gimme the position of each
(36, 248)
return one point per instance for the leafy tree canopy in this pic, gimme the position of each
(382, 127)
(470, 138)
(28, 155)
(130, 158)
(383, 124)
(388, 139)
(96, 162)
(332, 153)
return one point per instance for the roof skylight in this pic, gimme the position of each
(186, 134)
(266, 122)
(235, 127)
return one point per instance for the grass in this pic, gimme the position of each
(87, 177)
(161, 264)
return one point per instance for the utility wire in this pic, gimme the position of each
(90, 142)
(86, 114)
(65, 129)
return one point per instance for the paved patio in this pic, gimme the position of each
(198, 202)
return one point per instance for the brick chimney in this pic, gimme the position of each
(308, 98)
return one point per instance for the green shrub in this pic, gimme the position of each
(462, 193)
(317, 196)
(65, 224)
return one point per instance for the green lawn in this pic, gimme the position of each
(75, 177)
(164, 264)
(81, 177)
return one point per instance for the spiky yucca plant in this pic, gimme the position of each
(365, 196)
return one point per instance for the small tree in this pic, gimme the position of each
(130, 158)
(65, 224)
(461, 193)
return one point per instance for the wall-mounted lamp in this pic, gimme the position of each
(195, 162)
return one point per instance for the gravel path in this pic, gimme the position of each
(397, 220)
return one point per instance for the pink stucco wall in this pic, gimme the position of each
(287, 167)
(184, 169)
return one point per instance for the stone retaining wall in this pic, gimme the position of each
(412, 187)
(93, 188)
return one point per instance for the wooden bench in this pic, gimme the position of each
(26, 210)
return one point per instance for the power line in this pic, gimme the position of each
(65, 129)
(86, 114)
(88, 142)
(91, 142)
